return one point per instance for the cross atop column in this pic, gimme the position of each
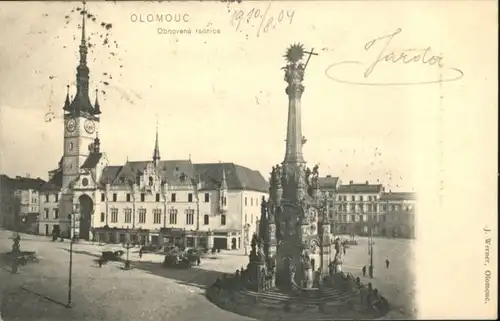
(311, 53)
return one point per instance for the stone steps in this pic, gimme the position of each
(273, 297)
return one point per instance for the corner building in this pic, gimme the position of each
(150, 202)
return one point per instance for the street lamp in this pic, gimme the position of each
(72, 217)
(370, 250)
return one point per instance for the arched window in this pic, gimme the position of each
(206, 219)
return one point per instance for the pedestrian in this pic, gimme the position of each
(140, 254)
(15, 264)
(364, 270)
(100, 262)
(387, 263)
(198, 261)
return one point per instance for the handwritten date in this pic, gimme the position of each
(264, 21)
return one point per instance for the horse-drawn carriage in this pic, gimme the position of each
(177, 260)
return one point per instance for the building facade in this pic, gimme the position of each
(20, 203)
(397, 216)
(358, 208)
(150, 202)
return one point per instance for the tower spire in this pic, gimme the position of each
(67, 102)
(81, 103)
(156, 152)
(97, 107)
(83, 43)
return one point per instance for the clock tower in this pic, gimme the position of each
(81, 119)
(81, 124)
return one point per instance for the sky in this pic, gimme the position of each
(216, 97)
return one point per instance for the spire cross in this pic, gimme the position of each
(311, 53)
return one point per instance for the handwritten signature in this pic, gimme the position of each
(264, 20)
(404, 57)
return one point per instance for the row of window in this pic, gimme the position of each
(373, 208)
(47, 198)
(55, 213)
(251, 218)
(357, 208)
(361, 198)
(173, 197)
(253, 200)
(157, 216)
(354, 218)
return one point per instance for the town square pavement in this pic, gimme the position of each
(149, 292)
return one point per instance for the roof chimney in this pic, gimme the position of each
(350, 182)
(366, 182)
(328, 176)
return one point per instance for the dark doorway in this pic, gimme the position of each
(47, 229)
(313, 264)
(220, 243)
(86, 209)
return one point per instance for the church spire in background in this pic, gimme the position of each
(156, 152)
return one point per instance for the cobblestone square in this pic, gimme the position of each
(151, 292)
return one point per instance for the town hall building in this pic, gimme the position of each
(148, 202)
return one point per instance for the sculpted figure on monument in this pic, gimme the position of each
(272, 180)
(294, 73)
(308, 176)
(260, 254)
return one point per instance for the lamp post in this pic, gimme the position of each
(72, 217)
(370, 250)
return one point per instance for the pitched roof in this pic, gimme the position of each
(25, 183)
(169, 170)
(237, 177)
(109, 174)
(360, 188)
(398, 196)
(92, 160)
(55, 183)
(328, 182)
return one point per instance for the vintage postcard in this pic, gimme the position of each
(248, 160)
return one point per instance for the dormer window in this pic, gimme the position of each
(182, 178)
(150, 180)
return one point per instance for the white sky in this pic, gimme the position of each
(218, 97)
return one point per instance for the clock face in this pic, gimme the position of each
(71, 125)
(85, 182)
(89, 126)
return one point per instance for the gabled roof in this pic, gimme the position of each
(171, 171)
(360, 188)
(237, 177)
(92, 160)
(398, 196)
(328, 182)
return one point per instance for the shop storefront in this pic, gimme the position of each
(121, 236)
